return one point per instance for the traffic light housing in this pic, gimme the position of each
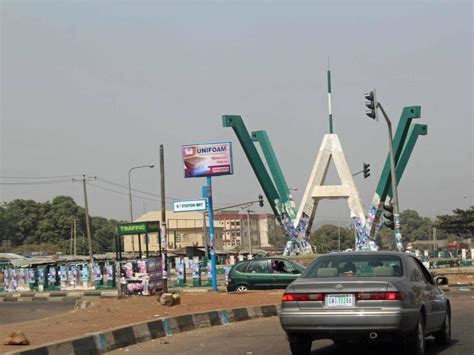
(260, 200)
(388, 216)
(366, 170)
(371, 105)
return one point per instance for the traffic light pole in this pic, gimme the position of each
(396, 211)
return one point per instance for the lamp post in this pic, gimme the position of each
(130, 197)
(248, 231)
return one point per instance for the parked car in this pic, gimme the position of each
(353, 296)
(265, 273)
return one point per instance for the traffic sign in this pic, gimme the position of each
(192, 205)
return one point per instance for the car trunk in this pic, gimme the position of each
(341, 293)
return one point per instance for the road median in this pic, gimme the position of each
(115, 338)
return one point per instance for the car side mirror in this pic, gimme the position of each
(441, 280)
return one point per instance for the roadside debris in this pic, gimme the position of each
(16, 339)
(170, 299)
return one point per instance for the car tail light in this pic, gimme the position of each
(380, 296)
(302, 297)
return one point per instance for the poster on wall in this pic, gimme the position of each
(210, 159)
(154, 268)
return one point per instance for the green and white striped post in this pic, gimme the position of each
(329, 103)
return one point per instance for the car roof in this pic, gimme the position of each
(394, 253)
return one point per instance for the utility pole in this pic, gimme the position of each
(75, 237)
(248, 231)
(204, 235)
(70, 242)
(163, 237)
(396, 210)
(88, 228)
(339, 238)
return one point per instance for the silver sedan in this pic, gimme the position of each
(365, 296)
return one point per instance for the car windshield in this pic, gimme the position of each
(355, 265)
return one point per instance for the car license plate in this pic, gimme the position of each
(340, 300)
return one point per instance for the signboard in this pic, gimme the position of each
(192, 205)
(138, 227)
(209, 159)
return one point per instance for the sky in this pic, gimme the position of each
(94, 88)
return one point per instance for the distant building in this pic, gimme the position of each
(185, 229)
(235, 229)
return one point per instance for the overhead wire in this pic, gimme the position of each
(62, 179)
(121, 193)
(51, 182)
(39, 177)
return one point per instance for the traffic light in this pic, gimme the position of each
(388, 215)
(366, 170)
(260, 200)
(371, 104)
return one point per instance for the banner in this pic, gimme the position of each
(209, 159)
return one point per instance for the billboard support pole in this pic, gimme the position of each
(211, 233)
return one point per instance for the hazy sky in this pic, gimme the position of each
(94, 87)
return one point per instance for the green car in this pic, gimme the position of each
(263, 274)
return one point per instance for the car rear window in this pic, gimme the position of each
(353, 265)
(241, 267)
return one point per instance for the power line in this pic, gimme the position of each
(62, 179)
(147, 193)
(51, 182)
(121, 193)
(136, 190)
(39, 177)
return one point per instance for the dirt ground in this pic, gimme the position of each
(461, 278)
(110, 313)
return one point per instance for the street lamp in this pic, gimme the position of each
(130, 197)
(248, 231)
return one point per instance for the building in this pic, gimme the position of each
(231, 230)
(184, 229)
(240, 228)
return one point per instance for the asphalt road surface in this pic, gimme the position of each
(265, 336)
(14, 312)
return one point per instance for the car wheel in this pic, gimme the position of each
(443, 337)
(416, 341)
(241, 288)
(301, 345)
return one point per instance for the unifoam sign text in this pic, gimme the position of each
(186, 206)
(207, 159)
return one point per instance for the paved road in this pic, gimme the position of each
(264, 336)
(14, 312)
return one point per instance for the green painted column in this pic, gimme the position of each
(276, 172)
(415, 131)
(237, 124)
(408, 114)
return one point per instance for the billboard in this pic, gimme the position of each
(210, 159)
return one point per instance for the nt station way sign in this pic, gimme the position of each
(191, 205)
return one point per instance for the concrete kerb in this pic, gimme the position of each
(98, 343)
(55, 296)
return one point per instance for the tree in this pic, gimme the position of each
(31, 225)
(326, 238)
(277, 240)
(460, 223)
(414, 227)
